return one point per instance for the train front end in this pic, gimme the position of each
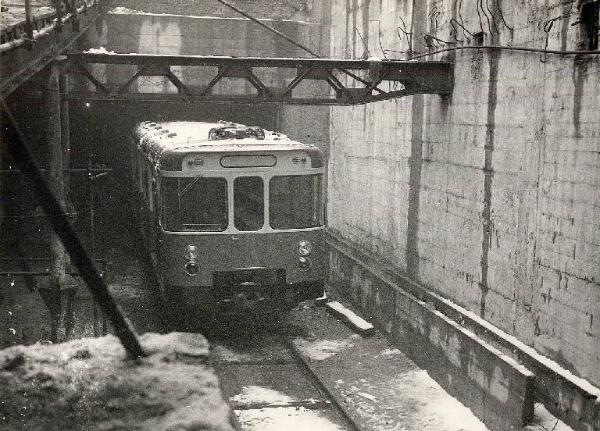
(242, 228)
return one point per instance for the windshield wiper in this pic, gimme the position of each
(190, 185)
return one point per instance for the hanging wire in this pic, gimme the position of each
(379, 38)
(366, 53)
(487, 6)
(462, 20)
(501, 15)
(403, 30)
(292, 41)
(547, 26)
(453, 23)
(502, 47)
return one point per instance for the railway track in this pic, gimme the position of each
(270, 385)
(266, 379)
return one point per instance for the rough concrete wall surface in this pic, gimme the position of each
(177, 34)
(489, 197)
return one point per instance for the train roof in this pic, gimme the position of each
(167, 142)
(190, 136)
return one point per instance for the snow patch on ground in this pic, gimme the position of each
(100, 50)
(258, 394)
(124, 10)
(415, 401)
(285, 418)
(390, 352)
(349, 315)
(89, 384)
(227, 355)
(543, 420)
(320, 350)
(450, 413)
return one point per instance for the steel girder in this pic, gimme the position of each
(348, 82)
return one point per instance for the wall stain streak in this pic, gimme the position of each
(365, 32)
(488, 171)
(564, 30)
(579, 76)
(354, 9)
(419, 17)
(414, 188)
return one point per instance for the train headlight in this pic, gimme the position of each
(304, 263)
(192, 269)
(191, 253)
(304, 248)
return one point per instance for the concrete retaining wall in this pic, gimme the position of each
(489, 197)
(497, 389)
(438, 335)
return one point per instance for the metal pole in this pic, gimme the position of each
(65, 123)
(22, 155)
(56, 177)
(28, 24)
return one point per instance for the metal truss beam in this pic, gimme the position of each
(364, 79)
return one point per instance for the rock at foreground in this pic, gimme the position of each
(89, 384)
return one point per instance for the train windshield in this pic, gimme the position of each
(295, 202)
(248, 201)
(194, 204)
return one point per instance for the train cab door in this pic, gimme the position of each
(248, 248)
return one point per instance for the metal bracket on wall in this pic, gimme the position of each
(349, 82)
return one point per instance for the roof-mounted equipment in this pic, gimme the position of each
(228, 132)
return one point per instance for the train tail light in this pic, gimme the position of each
(304, 263)
(304, 248)
(191, 253)
(191, 267)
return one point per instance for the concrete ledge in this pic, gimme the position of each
(496, 388)
(373, 285)
(357, 323)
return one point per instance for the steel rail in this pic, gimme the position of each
(314, 378)
(22, 155)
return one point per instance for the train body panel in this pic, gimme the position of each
(276, 250)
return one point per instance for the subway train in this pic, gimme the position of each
(232, 216)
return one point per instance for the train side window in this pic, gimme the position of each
(248, 203)
(295, 202)
(194, 204)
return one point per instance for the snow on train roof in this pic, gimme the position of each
(184, 136)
